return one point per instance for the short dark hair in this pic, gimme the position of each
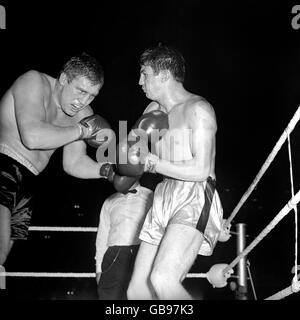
(86, 66)
(162, 57)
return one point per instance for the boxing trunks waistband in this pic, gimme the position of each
(5, 149)
(133, 246)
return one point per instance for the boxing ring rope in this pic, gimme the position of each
(283, 293)
(51, 274)
(292, 204)
(295, 209)
(71, 229)
(79, 274)
(283, 212)
(70, 274)
(290, 127)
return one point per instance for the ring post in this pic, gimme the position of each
(2, 278)
(242, 290)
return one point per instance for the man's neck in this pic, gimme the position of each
(56, 92)
(175, 95)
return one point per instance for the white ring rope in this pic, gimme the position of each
(290, 127)
(49, 274)
(69, 274)
(283, 293)
(78, 274)
(73, 274)
(202, 275)
(295, 209)
(196, 275)
(75, 229)
(284, 211)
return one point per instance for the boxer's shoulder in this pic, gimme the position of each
(31, 76)
(197, 105)
(33, 80)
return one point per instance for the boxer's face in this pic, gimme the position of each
(150, 82)
(77, 94)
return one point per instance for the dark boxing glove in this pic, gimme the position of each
(107, 171)
(123, 184)
(134, 155)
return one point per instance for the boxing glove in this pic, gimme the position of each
(123, 184)
(107, 171)
(95, 130)
(153, 120)
(130, 157)
(154, 123)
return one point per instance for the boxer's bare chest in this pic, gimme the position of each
(175, 143)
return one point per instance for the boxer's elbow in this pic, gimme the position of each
(69, 166)
(74, 168)
(31, 139)
(32, 135)
(68, 170)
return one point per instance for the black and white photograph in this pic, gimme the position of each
(149, 150)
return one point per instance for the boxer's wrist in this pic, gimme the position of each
(151, 161)
(111, 176)
(81, 133)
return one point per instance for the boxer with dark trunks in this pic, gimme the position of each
(39, 114)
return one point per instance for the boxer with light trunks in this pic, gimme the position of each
(186, 216)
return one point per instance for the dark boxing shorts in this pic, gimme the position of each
(16, 193)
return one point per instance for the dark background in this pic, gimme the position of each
(243, 57)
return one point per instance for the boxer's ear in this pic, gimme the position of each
(63, 79)
(165, 75)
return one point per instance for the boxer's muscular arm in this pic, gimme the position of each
(77, 163)
(203, 124)
(28, 93)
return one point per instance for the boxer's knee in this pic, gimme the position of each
(162, 279)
